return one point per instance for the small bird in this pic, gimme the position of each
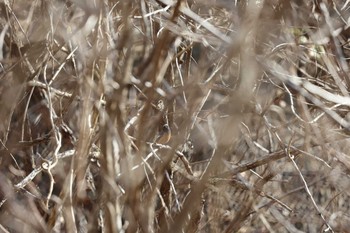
(164, 135)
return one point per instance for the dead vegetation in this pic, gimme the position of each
(254, 94)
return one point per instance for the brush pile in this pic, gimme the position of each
(174, 116)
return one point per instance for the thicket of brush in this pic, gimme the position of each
(255, 94)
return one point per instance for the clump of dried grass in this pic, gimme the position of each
(255, 94)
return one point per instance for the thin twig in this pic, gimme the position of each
(307, 187)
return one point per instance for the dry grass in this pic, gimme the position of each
(254, 93)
